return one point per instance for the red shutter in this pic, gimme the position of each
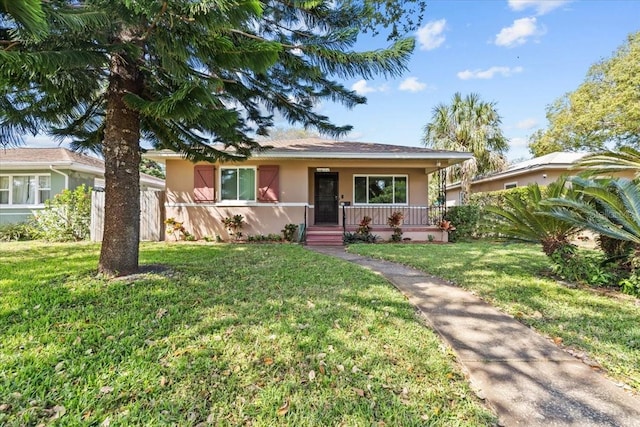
(203, 180)
(268, 186)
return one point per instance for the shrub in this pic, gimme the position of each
(362, 234)
(614, 248)
(365, 225)
(234, 225)
(16, 232)
(497, 198)
(177, 229)
(630, 285)
(466, 219)
(359, 238)
(582, 267)
(66, 217)
(262, 238)
(394, 221)
(290, 232)
(527, 218)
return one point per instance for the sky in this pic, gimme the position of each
(519, 54)
(522, 55)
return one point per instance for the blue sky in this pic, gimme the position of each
(520, 54)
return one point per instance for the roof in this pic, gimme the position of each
(319, 148)
(62, 158)
(12, 158)
(555, 160)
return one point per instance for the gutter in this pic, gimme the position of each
(66, 177)
(517, 172)
(310, 155)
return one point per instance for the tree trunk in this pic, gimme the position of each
(121, 150)
(465, 183)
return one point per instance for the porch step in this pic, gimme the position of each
(324, 236)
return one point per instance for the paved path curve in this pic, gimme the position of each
(527, 379)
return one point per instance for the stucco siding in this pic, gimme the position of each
(296, 178)
(206, 220)
(296, 185)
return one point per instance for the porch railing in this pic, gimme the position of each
(413, 215)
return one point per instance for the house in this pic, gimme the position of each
(541, 170)
(29, 176)
(325, 186)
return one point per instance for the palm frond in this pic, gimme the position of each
(626, 159)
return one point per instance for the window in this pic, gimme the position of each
(509, 185)
(24, 189)
(238, 184)
(44, 188)
(383, 189)
(4, 190)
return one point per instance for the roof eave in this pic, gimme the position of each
(311, 155)
(513, 173)
(78, 167)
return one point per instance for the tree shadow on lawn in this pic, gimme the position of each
(211, 338)
(508, 277)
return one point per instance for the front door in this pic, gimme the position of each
(326, 198)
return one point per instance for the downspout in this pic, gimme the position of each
(66, 177)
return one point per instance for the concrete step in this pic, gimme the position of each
(324, 236)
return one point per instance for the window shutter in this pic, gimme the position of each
(268, 185)
(203, 183)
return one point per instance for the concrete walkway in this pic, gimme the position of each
(524, 377)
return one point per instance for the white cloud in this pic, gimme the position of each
(430, 35)
(518, 33)
(541, 6)
(361, 87)
(527, 124)
(412, 84)
(489, 73)
(41, 141)
(518, 142)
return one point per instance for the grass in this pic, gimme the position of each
(255, 335)
(604, 327)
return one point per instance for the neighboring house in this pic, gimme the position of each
(29, 176)
(542, 170)
(312, 182)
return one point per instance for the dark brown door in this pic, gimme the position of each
(326, 198)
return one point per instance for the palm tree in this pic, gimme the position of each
(526, 218)
(626, 159)
(468, 124)
(610, 207)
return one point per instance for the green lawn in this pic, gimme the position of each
(232, 335)
(604, 327)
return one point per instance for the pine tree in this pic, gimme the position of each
(184, 76)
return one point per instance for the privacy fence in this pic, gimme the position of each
(151, 215)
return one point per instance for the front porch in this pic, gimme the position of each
(419, 223)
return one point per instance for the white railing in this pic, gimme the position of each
(413, 215)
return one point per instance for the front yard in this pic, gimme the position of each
(602, 328)
(255, 335)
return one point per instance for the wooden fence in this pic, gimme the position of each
(151, 215)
